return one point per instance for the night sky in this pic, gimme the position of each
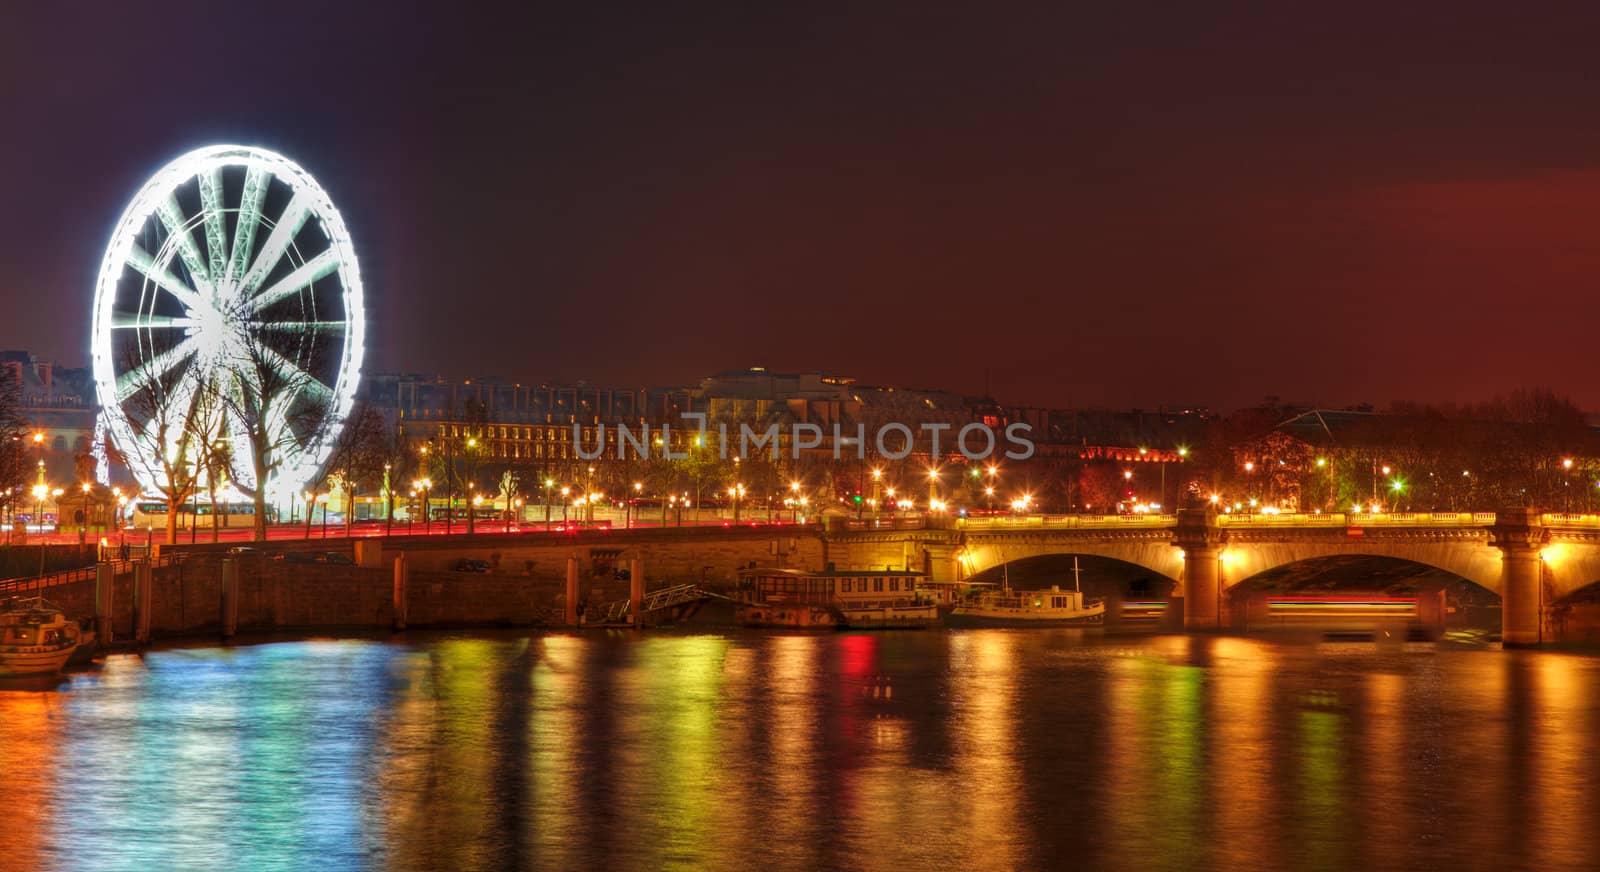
(1107, 204)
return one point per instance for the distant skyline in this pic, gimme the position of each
(1096, 206)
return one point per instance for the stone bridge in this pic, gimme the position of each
(1532, 560)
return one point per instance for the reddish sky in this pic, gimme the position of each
(1099, 206)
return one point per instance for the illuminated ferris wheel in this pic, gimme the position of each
(230, 289)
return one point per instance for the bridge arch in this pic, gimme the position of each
(1571, 566)
(1473, 559)
(1099, 576)
(1152, 551)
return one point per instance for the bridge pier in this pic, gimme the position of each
(104, 579)
(1200, 595)
(572, 590)
(143, 598)
(1520, 537)
(401, 591)
(636, 591)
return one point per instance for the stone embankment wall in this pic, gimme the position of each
(524, 586)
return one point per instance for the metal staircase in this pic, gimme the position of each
(656, 601)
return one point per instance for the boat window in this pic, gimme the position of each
(23, 635)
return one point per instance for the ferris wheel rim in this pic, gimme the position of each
(309, 202)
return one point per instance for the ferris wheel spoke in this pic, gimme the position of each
(183, 403)
(316, 268)
(172, 217)
(289, 223)
(141, 260)
(279, 434)
(126, 321)
(240, 441)
(296, 379)
(244, 233)
(216, 223)
(150, 372)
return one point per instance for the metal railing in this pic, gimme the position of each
(28, 583)
(655, 600)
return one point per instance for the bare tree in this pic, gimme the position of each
(12, 448)
(510, 489)
(269, 402)
(169, 415)
(359, 454)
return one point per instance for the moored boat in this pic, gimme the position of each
(1006, 607)
(1029, 607)
(36, 638)
(854, 599)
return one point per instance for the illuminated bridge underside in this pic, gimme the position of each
(1471, 546)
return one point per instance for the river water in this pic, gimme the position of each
(986, 749)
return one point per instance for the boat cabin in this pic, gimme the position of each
(841, 588)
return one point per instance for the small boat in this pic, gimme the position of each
(867, 599)
(1030, 607)
(36, 638)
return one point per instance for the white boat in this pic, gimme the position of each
(36, 638)
(1030, 607)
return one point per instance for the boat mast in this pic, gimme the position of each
(1075, 586)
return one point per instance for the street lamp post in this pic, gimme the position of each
(40, 491)
(588, 502)
(548, 483)
(83, 528)
(388, 503)
(122, 502)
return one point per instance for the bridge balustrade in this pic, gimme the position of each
(1563, 519)
(1265, 519)
(1359, 519)
(1067, 522)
